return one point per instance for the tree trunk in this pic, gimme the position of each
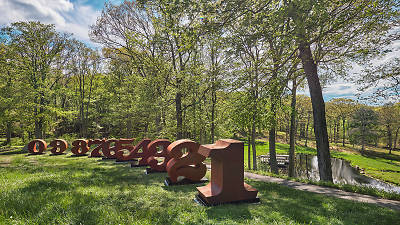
(214, 102)
(287, 130)
(395, 138)
(253, 141)
(8, 134)
(390, 139)
(292, 130)
(38, 121)
(38, 129)
(178, 107)
(362, 143)
(334, 132)
(297, 125)
(308, 122)
(271, 138)
(248, 151)
(344, 132)
(337, 132)
(318, 105)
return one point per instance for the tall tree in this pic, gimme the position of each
(296, 82)
(84, 66)
(38, 48)
(334, 29)
(344, 107)
(363, 124)
(389, 117)
(9, 84)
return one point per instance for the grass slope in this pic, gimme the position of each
(63, 190)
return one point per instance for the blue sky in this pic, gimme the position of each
(75, 16)
(71, 16)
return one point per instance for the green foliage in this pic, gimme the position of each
(363, 124)
(38, 49)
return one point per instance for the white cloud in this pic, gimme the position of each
(339, 89)
(67, 16)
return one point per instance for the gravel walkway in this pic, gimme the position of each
(326, 191)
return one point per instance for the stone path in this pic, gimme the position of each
(325, 190)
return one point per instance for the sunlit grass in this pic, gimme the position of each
(63, 190)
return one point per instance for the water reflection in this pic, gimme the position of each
(307, 168)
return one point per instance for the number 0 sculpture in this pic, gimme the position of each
(42, 146)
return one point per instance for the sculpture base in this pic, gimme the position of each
(125, 161)
(184, 181)
(29, 154)
(105, 158)
(233, 193)
(137, 165)
(52, 154)
(200, 200)
(78, 155)
(150, 170)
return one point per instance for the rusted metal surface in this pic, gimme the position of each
(190, 165)
(123, 144)
(42, 146)
(95, 152)
(163, 153)
(109, 150)
(58, 146)
(80, 147)
(227, 179)
(135, 154)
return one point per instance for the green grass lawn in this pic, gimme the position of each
(376, 163)
(64, 190)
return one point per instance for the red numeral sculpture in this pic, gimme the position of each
(123, 144)
(42, 146)
(189, 166)
(227, 184)
(135, 154)
(100, 145)
(152, 160)
(108, 150)
(59, 146)
(80, 147)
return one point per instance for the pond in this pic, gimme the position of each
(306, 167)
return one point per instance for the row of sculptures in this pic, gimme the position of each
(183, 160)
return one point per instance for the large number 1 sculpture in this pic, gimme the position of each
(227, 178)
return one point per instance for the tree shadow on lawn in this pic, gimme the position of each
(68, 198)
(112, 175)
(47, 201)
(382, 155)
(85, 191)
(183, 188)
(12, 152)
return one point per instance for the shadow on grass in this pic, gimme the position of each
(382, 155)
(13, 152)
(72, 191)
(183, 188)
